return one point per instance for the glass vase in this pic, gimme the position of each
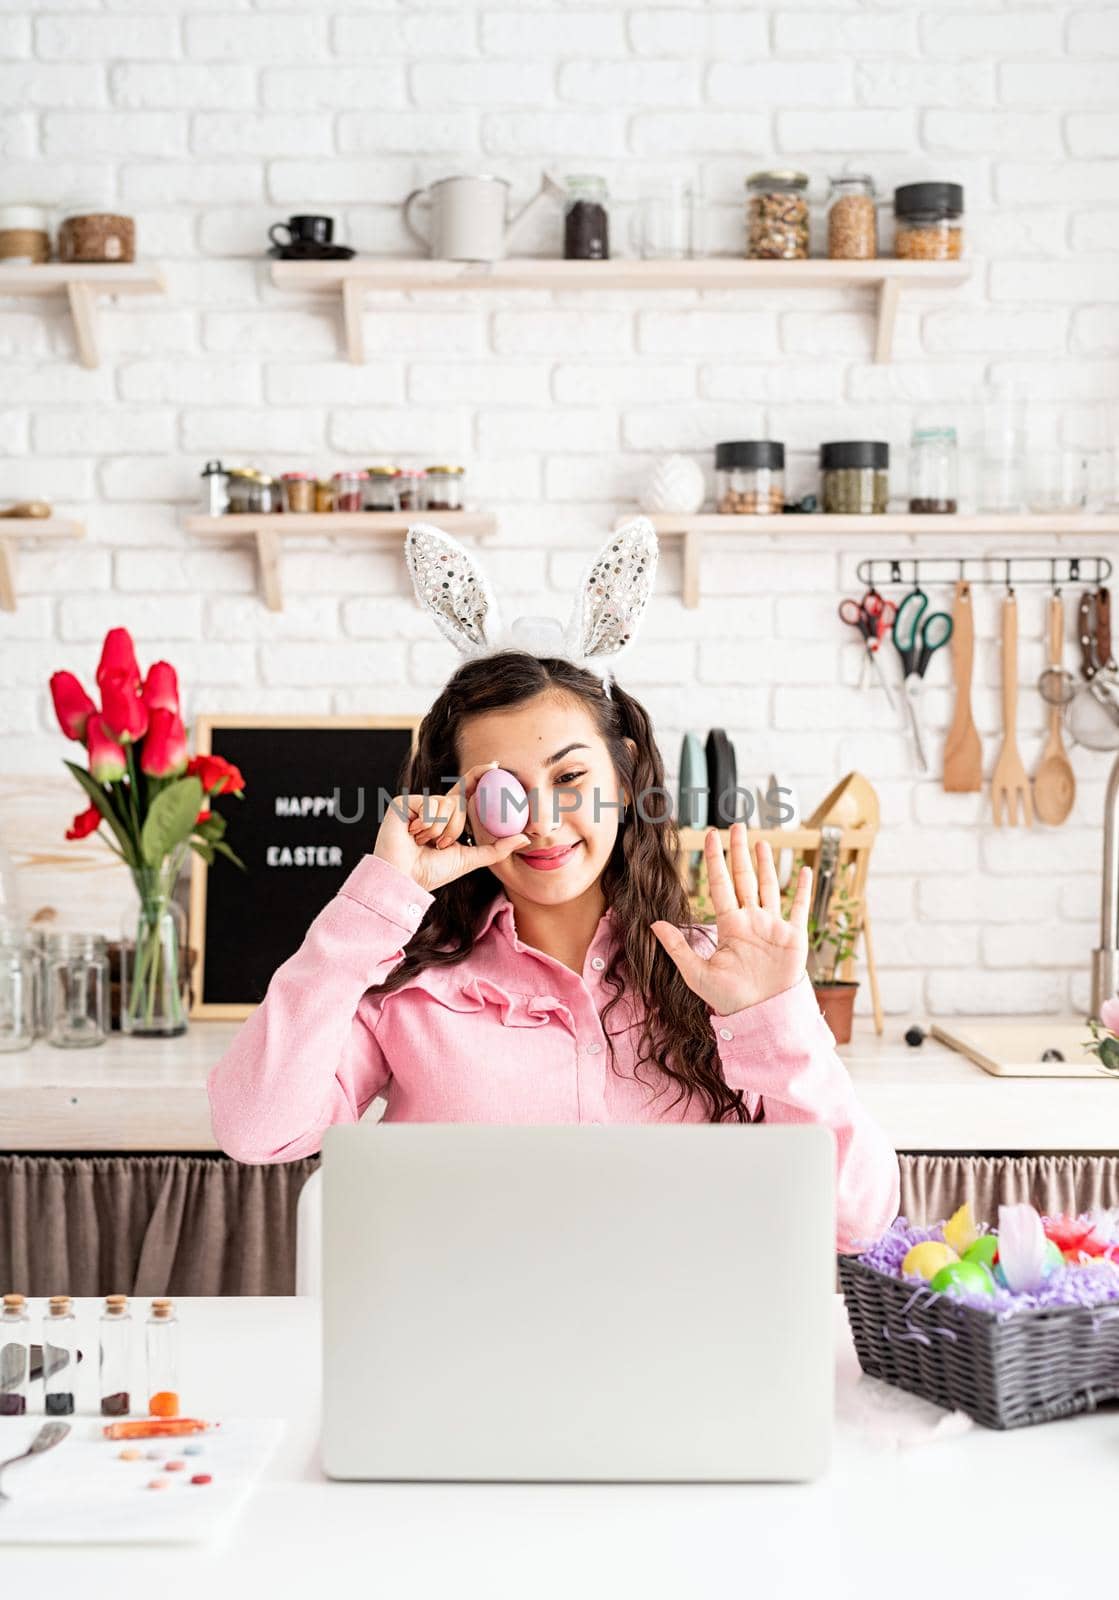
(151, 964)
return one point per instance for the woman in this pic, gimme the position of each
(465, 977)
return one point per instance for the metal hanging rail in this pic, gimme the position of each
(1010, 565)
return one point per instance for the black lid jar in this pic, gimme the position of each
(928, 225)
(856, 476)
(750, 477)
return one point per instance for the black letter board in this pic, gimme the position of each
(306, 779)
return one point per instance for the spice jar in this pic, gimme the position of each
(855, 476)
(410, 488)
(443, 488)
(750, 477)
(77, 989)
(24, 238)
(349, 490)
(241, 487)
(88, 235)
(933, 471)
(928, 221)
(852, 218)
(217, 488)
(777, 216)
(298, 489)
(380, 489)
(324, 495)
(586, 226)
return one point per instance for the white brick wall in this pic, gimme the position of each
(210, 120)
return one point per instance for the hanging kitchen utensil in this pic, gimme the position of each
(1010, 785)
(1107, 676)
(963, 753)
(1054, 781)
(722, 779)
(1091, 716)
(872, 616)
(692, 798)
(916, 642)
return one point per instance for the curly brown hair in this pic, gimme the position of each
(640, 881)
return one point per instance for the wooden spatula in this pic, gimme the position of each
(1009, 785)
(963, 754)
(1054, 780)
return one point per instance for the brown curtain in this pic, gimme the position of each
(148, 1225)
(933, 1186)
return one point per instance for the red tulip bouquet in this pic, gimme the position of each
(155, 802)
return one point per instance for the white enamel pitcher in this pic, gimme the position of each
(469, 220)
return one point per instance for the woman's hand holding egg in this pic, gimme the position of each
(759, 953)
(426, 843)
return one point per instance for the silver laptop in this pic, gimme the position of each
(637, 1303)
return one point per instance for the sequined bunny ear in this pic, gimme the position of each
(613, 594)
(451, 585)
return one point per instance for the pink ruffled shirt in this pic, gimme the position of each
(509, 1035)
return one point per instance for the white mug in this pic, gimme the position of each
(467, 218)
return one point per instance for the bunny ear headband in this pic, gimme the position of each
(609, 603)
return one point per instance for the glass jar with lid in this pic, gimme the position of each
(349, 489)
(586, 224)
(750, 477)
(410, 488)
(928, 219)
(777, 216)
(77, 989)
(443, 488)
(18, 989)
(298, 491)
(852, 218)
(380, 489)
(933, 471)
(855, 476)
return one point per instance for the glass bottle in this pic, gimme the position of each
(163, 1359)
(928, 218)
(852, 218)
(153, 955)
(1001, 485)
(17, 989)
(586, 225)
(933, 471)
(15, 1356)
(115, 1356)
(77, 989)
(60, 1356)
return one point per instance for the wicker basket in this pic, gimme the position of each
(1035, 1366)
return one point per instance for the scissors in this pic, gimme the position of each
(872, 616)
(916, 642)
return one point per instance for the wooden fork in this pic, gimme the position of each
(1009, 783)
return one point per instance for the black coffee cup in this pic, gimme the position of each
(303, 230)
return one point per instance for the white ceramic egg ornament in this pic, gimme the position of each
(501, 803)
(676, 485)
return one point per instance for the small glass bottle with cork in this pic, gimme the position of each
(60, 1356)
(163, 1359)
(15, 1356)
(115, 1356)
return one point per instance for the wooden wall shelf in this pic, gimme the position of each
(82, 284)
(887, 278)
(268, 530)
(693, 530)
(31, 530)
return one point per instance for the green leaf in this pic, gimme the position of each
(223, 849)
(202, 849)
(170, 819)
(212, 828)
(1109, 1054)
(104, 804)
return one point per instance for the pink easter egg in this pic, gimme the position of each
(502, 803)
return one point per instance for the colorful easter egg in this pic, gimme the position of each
(984, 1250)
(928, 1257)
(960, 1275)
(501, 803)
(960, 1230)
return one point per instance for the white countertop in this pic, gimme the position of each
(911, 1503)
(149, 1094)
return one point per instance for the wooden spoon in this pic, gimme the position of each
(963, 754)
(1054, 781)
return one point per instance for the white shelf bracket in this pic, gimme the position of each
(7, 574)
(889, 293)
(353, 304)
(82, 298)
(268, 558)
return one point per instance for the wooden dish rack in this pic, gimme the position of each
(853, 806)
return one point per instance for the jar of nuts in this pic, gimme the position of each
(750, 477)
(928, 221)
(852, 218)
(777, 216)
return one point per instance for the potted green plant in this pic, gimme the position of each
(831, 942)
